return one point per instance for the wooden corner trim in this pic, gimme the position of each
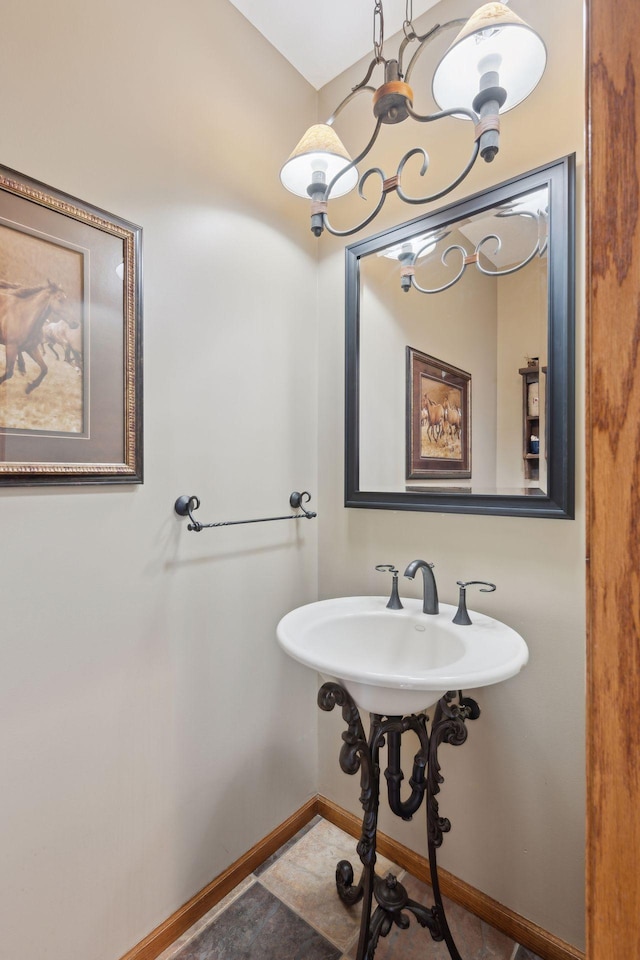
(195, 908)
(523, 931)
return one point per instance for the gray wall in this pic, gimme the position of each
(146, 740)
(515, 792)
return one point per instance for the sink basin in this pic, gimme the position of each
(397, 662)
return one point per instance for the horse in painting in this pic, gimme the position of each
(66, 336)
(453, 416)
(23, 311)
(433, 414)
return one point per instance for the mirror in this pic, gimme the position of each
(460, 355)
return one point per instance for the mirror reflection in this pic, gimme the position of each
(445, 407)
(459, 356)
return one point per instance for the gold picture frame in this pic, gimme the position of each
(71, 335)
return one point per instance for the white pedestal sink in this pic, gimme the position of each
(395, 664)
(398, 662)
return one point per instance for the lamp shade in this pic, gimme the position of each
(494, 39)
(320, 150)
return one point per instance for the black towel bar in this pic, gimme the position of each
(184, 507)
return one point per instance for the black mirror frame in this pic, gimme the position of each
(558, 502)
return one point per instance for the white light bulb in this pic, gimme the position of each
(490, 64)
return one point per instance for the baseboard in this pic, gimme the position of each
(188, 914)
(529, 934)
(523, 931)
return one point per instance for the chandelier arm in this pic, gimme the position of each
(463, 267)
(517, 213)
(409, 37)
(542, 247)
(414, 152)
(450, 112)
(485, 239)
(441, 193)
(349, 97)
(365, 176)
(370, 217)
(360, 86)
(426, 38)
(509, 270)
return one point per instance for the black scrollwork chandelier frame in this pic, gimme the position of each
(360, 753)
(320, 166)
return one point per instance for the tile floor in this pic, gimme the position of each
(289, 910)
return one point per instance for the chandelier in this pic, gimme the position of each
(493, 64)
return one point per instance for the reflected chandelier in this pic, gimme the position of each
(492, 65)
(408, 252)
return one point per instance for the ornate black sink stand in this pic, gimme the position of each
(361, 753)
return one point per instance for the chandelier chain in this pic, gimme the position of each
(408, 16)
(378, 30)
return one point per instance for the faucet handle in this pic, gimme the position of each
(482, 583)
(394, 600)
(462, 616)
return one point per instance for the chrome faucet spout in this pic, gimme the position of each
(430, 591)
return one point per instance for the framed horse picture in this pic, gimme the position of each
(70, 339)
(438, 419)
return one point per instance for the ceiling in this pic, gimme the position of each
(322, 40)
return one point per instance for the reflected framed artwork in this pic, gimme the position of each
(70, 339)
(438, 419)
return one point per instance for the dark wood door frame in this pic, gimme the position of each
(613, 478)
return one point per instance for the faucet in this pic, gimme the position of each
(430, 591)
